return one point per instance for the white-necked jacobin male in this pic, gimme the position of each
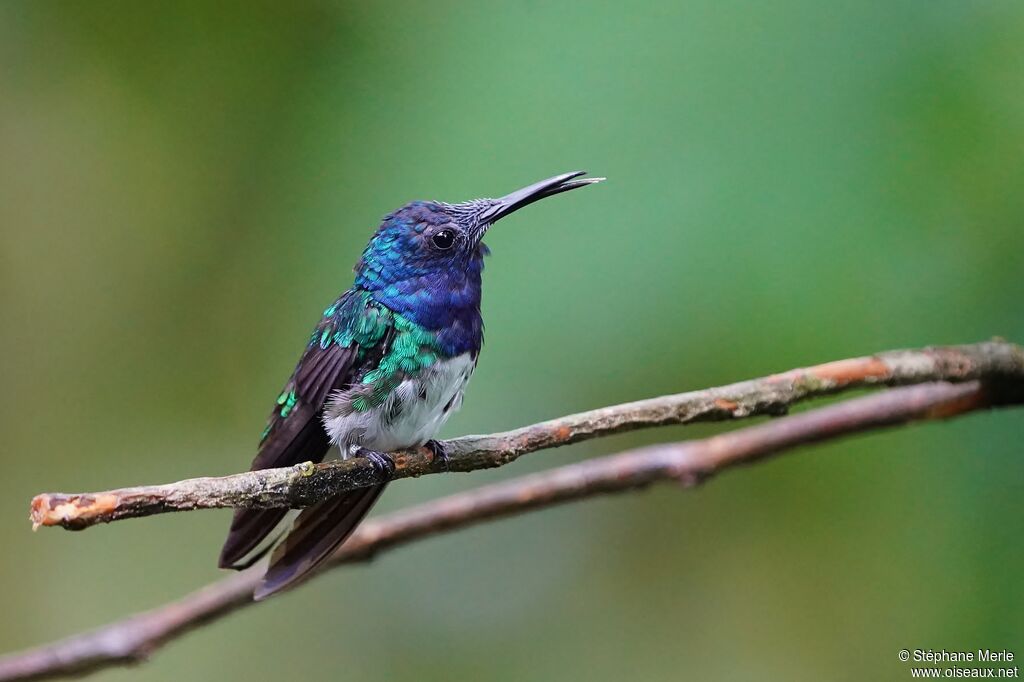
(384, 369)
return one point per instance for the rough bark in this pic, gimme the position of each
(988, 375)
(308, 483)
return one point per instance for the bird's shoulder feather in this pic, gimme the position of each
(349, 340)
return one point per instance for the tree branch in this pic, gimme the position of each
(690, 463)
(308, 483)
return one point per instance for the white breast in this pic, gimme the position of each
(412, 414)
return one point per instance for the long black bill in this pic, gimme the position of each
(535, 192)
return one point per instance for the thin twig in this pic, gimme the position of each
(131, 640)
(307, 483)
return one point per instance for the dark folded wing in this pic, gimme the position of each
(307, 441)
(294, 431)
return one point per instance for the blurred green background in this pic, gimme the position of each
(183, 188)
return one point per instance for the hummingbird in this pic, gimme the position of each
(383, 370)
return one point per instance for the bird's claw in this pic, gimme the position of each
(382, 462)
(437, 449)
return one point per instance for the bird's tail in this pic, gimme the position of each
(250, 537)
(317, 532)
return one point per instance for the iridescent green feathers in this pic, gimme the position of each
(354, 319)
(358, 344)
(412, 350)
(385, 346)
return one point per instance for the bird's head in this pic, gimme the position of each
(426, 258)
(435, 238)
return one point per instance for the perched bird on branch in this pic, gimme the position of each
(383, 370)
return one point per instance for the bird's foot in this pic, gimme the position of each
(436, 448)
(382, 462)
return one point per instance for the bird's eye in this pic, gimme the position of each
(444, 240)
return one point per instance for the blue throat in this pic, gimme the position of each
(442, 296)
